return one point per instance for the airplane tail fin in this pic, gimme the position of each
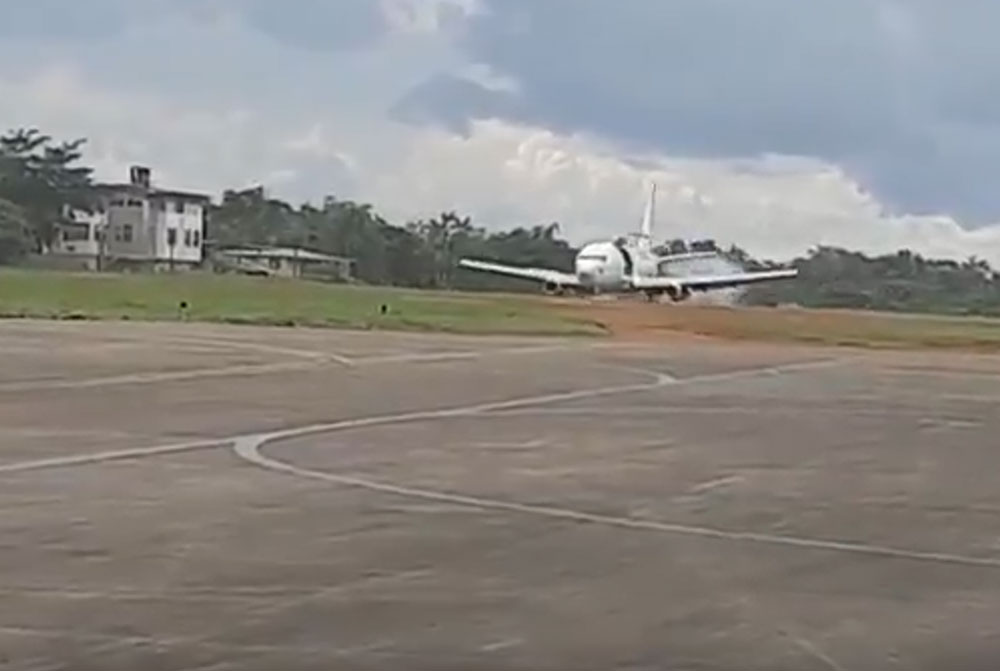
(646, 228)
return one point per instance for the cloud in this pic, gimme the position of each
(778, 207)
(431, 109)
(428, 16)
(898, 91)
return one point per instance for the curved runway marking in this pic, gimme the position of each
(478, 408)
(249, 448)
(660, 380)
(113, 455)
(156, 450)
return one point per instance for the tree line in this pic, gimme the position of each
(41, 180)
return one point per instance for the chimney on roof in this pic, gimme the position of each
(139, 176)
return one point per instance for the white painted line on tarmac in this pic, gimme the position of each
(922, 418)
(460, 411)
(213, 341)
(777, 370)
(449, 355)
(111, 455)
(132, 453)
(812, 649)
(715, 483)
(659, 380)
(265, 368)
(249, 448)
(157, 376)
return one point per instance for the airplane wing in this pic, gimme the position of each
(707, 282)
(538, 274)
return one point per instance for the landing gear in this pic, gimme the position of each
(678, 294)
(553, 289)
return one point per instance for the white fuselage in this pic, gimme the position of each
(606, 266)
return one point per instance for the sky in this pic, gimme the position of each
(777, 125)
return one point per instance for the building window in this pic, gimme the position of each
(75, 232)
(187, 237)
(134, 202)
(179, 206)
(127, 233)
(197, 238)
(171, 237)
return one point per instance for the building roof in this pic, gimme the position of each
(153, 192)
(281, 253)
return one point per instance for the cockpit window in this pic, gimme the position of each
(593, 257)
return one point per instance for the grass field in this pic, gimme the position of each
(262, 300)
(259, 300)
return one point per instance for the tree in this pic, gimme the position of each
(44, 181)
(15, 233)
(835, 277)
(704, 246)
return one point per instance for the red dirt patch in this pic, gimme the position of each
(633, 320)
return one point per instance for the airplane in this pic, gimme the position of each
(629, 265)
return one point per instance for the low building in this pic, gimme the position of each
(78, 243)
(135, 224)
(284, 262)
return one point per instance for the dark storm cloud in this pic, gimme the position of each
(316, 24)
(902, 93)
(59, 19)
(312, 24)
(452, 101)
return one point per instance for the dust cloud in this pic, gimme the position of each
(718, 265)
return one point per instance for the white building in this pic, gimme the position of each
(81, 239)
(137, 224)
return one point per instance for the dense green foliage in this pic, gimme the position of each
(40, 179)
(832, 277)
(15, 233)
(43, 181)
(418, 254)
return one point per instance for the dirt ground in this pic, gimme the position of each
(189, 496)
(630, 318)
